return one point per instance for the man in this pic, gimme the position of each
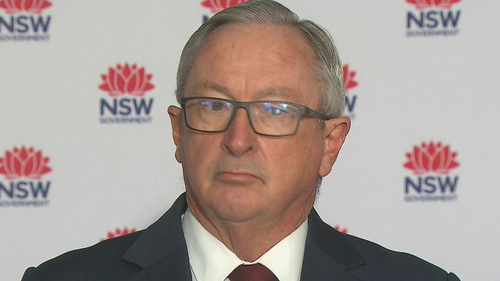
(260, 124)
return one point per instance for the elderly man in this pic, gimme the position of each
(260, 124)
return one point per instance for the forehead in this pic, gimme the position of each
(254, 37)
(253, 57)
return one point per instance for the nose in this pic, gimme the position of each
(239, 137)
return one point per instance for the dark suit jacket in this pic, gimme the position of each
(160, 253)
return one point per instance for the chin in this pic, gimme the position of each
(237, 210)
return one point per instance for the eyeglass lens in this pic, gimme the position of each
(268, 118)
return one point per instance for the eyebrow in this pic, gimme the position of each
(199, 88)
(204, 86)
(276, 92)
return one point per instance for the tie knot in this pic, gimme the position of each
(254, 272)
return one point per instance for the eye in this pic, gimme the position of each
(213, 105)
(217, 106)
(276, 109)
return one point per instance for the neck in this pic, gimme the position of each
(250, 239)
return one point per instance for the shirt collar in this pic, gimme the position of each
(210, 260)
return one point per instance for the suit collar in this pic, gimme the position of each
(162, 253)
(328, 253)
(161, 250)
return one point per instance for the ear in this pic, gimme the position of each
(334, 134)
(175, 114)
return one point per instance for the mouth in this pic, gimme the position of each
(237, 177)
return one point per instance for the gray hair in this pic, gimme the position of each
(270, 12)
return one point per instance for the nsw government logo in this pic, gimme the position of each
(341, 229)
(432, 18)
(216, 6)
(126, 86)
(23, 169)
(350, 99)
(431, 164)
(22, 20)
(118, 232)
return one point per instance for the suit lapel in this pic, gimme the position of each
(328, 254)
(161, 250)
(162, 254)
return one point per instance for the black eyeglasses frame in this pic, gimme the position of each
(303, 110)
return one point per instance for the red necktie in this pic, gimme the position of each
(254, 272)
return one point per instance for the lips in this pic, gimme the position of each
(239, 171)
(237, 177)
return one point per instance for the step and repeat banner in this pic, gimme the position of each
(85, 142)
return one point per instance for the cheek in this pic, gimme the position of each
(309, 143)
(309, 152)
(190, 148)
(197, 155)
(295, 162)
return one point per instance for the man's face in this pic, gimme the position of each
(238, 175)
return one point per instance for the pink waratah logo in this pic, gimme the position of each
(24, 6)
(431, 157)
(126, 80)
(338, 228)
(349, 78)
(427, 4)
(24, 163)
(118, 232)
(218, 5)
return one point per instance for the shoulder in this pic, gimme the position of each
(392, 265)
(121, 257)
(364, 259)
(101, 261)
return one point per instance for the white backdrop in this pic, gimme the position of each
(406, 95)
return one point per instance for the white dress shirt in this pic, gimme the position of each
(210, 260)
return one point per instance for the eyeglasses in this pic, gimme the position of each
(269, 118)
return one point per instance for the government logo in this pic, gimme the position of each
(432, 18)
(216, 6)
(23, 169)
(350, 98)
(117, 233)
(341, 229)
(431, 164)
(23, 20)
(126, 86)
